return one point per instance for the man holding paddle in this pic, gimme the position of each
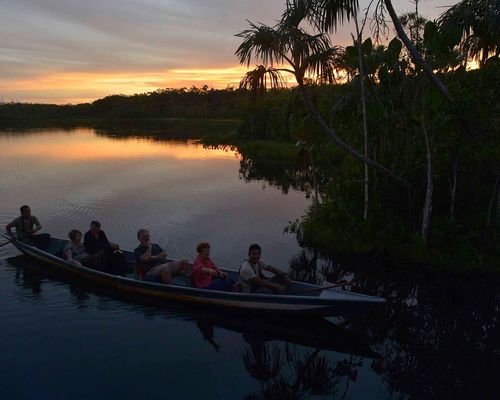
(27, 226)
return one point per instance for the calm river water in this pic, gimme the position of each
(59, 339)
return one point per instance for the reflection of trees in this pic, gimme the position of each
(438, 335)
(284, 176)
(289, 373)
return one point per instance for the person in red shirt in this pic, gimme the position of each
(206, 275)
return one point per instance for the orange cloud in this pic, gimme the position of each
(69, 87)
(81, 87)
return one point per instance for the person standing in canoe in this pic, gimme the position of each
(153, 260)
(27, 226)
(206, 275)
(254, 281)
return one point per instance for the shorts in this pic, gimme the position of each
(175, 268)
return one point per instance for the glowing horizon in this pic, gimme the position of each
(62, 52)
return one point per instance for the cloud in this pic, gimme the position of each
(46, 41)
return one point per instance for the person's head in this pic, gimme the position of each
(25, 211)
(203, 249)
(95, 227)
(75, 235)
(143, 236)
(254, 252)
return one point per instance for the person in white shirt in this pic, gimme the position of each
(253, 280)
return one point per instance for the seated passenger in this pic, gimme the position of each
(27, 226)
(254, 281)
(206, 275)
(74, 252)
(153, 259)
(96, 242)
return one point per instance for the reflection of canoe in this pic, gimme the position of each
(314, 332)
(319, 302)
(308, 331)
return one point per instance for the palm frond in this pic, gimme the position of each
(262, 78)
(261, 42)
(479, 22)
(330, 14)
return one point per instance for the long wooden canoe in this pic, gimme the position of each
(317, 302)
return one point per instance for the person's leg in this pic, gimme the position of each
(93, 261)
(180, 266)
(220, 284)
(166, 275)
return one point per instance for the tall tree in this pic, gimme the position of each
(292, 49)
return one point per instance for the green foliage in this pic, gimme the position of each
(394, 123)
(162, 103)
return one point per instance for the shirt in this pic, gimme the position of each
(24, 226)
(202, 279)
(249, 271)
(155, 250)
(75, 251)
(93, 245)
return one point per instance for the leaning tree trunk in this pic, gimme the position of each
(415, 55)
(343, 145)
(492, 201)
(365, 124)
(453, 190)
(427, 210)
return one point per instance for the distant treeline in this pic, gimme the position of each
(163, 103)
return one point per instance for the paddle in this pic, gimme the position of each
(338, 284)
(7, 242)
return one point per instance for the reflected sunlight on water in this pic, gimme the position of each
(81, 144)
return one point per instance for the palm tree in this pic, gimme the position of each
(328, 14)
(479, 23)
(287, 47)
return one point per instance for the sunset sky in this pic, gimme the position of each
(72, 51)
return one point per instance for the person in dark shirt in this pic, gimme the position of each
(154, 260)
(95, 241)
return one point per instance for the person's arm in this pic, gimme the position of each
(215, 271)
(106, 241)
(275, 271)
(37, 224)
(9, 227)
(264, 283)
(146, 256)
(161, 255)
(68, 254)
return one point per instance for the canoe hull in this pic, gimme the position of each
(310, 305)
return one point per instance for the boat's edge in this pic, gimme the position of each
(312, 305)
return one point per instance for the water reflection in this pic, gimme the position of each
(437, 338)
(288, 357)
